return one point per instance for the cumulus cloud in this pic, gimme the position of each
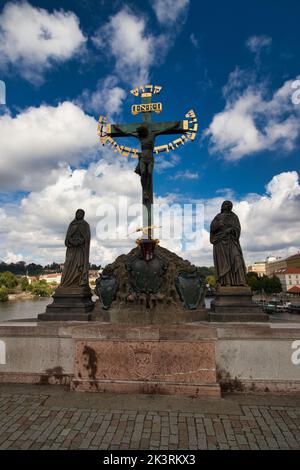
(32, 40)
(34, 229)
(170, 11)
(107, 98)
(252, 121)
(36, 226)
(270, 221)
(125, 38)
(131, 43)
(36, 142)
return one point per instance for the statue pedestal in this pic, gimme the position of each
(154, 359)
(144, 288)
(69, 303)
(139, 315)
(234, 304)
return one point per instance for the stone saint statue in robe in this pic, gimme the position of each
(225, 231)
(76, 267)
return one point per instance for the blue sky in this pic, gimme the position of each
(66, 62)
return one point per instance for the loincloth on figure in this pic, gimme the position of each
(145, 163)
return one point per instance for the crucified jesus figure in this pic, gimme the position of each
(145, 165)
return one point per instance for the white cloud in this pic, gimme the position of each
(107, 99)
(125, 38)
(36, 142)
(36, 226)
(186, 175)
(170, 11)
(253, 122)
(11, 257)
(32, 40)
(194, 41)
(257, 43)
(34, 229)
(166, 161)
(270, 221)
(2, 93)
(133, 45)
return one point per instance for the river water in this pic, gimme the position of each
(30, 308)
(21, 309)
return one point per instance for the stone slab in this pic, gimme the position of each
(234, 304)
(257, 356)
(226, 314)
(37, 355)
(69, 304)
(183, 367)
(140, 315)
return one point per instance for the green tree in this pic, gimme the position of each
(24, 284)
(211, 280)
(275, 285)
(40, 288)
(205, 271)
(9, 280)
(271, 285)
(254, 282)
(34, 269)
(15, 268)
(3, 294)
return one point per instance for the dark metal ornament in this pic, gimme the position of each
(106, 289)
(191, 289)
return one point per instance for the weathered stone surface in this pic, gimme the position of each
(255, 356)
(146, 365)
(159, 304)
(234, 304)
(69, 303)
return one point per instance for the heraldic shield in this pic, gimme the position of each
(191, 289)
(146, 276)
(106, 289)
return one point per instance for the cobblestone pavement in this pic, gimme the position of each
(29, 419)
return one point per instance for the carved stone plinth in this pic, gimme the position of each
(234, 304)
(173, 359)
(69, 303)
(134, 314)
(141, 291)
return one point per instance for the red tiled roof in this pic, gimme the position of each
(49, 276)
(288, 271)
(294, 290)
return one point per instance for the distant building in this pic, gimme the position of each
(289, 279)
(293, 261)
(32, 279)
(56, 277)
(275, 264)
(259, 267)
(51, 278)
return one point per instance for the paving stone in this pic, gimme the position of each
(27, 423)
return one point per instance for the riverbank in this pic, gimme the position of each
(22, 296)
